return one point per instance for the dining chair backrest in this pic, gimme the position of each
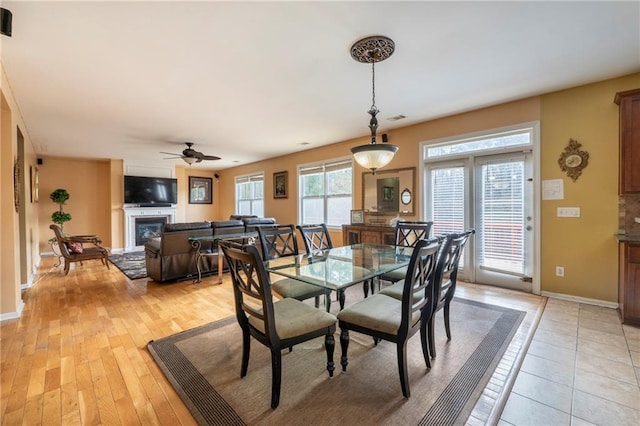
(278, 241)
(315, 237)
(251, 286)
(448, 266)
(409, 233)
(419, 284)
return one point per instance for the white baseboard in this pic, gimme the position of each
(32, 276)
(13, 315)
(578, 299)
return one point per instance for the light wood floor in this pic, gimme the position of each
(78, 353)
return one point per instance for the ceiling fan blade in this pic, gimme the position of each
(171, 158)
(210, 157)
(170, 153)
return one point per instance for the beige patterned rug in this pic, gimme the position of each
(203, 365)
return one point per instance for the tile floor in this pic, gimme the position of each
(582, 368)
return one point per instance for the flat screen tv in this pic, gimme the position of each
(150, 190)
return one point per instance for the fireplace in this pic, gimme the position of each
(142, 223)
(148, 227)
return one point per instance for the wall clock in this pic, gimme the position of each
(573, 160)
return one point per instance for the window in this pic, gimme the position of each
(250, 195)
(483, 143)
(326, 192)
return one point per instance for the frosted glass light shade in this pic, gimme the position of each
(190, 160)
(374, 156)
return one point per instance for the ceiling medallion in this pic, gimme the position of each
(372, 49)
(573, 160)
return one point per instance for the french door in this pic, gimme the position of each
(494, 195)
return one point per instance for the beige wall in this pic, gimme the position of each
(16, 236)
(408, 139)
(585, 246)
(195, 212)
(89, 185)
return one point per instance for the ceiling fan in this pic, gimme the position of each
(190, 155)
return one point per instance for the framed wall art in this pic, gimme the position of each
(34, 184)
(200, 190)
(357, 217)
(280, 185)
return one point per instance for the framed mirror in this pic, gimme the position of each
(405, 196)
(389, 191)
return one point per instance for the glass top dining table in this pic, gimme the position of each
(341, 267)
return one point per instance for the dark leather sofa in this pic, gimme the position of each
(171, 257)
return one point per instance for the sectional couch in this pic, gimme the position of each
(171, 256)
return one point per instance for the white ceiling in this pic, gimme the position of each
(248, 81)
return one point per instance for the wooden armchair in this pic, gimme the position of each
(73, 249)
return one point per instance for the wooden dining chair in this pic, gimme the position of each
(316, 238)
(277, 325)
(407, 235)
(280, 241)
(387, 318)
(445, 288)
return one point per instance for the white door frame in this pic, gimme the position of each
(534, 127)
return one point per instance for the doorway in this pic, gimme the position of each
(490, 188)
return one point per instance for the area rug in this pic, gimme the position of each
(203, 366)
(132, 264)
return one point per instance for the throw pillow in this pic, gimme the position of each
(74, 247)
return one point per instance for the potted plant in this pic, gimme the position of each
(60, 196)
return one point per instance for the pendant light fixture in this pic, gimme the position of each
(371, 50)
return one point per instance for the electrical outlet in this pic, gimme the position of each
(559, 271)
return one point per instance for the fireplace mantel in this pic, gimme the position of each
(135, 211)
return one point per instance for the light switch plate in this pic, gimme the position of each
(568, 211)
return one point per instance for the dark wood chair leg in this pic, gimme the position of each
(330, 344)
(365, 289)
(344, 345)
(432, 338)
(246, 348)
(446, 321)
(341, 298)
(66, 266)
(424, 340)
(276, 376)
(401, 349)
(317, 301)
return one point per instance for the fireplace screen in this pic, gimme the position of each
(148, 227)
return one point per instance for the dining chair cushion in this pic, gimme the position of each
(295, 318)
(395, 291)
(290, 287)
(378, 312)
(396, 274)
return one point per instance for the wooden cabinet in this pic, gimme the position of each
(629, 285)
(629, 103)
(375, 234)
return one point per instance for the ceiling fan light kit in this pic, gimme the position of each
(190, 155)
(371, 50)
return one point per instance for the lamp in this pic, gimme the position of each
(371, 50)
(189, 160)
